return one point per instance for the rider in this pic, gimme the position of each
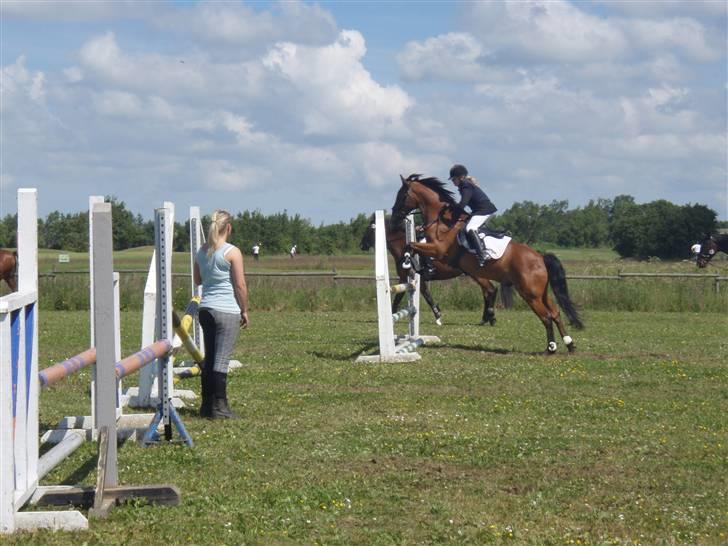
(480, 205)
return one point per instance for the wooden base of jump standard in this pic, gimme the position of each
(99, 499)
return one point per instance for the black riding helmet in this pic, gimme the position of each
(458, 170)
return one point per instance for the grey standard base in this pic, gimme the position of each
(404, 350)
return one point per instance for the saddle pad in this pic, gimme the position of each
(496, 246)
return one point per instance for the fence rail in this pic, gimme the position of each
(716, 277)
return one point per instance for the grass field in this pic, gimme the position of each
(482, 441)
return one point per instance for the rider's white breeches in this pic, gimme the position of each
(476, 221)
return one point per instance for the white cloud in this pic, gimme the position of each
(559, 31)
(18, 84)
(548, 30)
(237, 24)
(226, 176)
(449, 57)
(685, 35)
(331, 91)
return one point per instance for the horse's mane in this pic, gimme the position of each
(436, 185)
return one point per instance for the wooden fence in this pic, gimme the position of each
(333, 275)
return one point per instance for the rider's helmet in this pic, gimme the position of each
(458, 170)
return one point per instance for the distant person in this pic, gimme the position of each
(294, 251)
(480, 205)
(223, 311)
(694, 251)
(256, 251)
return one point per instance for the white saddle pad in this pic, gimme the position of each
(495, 248)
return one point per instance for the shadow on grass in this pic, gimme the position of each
(478, 349)
(82, 472)
(366, 348)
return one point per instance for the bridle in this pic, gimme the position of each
(438, 217)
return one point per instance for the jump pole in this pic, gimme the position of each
(395, 348)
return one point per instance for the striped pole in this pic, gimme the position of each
(53, 374)
(403, 313)
(140, 359)
(187, 341)
(399, 288)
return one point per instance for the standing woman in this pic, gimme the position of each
(223, 311)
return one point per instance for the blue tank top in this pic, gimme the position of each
(217, 286)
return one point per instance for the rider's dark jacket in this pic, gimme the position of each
(472, 196)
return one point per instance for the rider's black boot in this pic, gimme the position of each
(477, 244)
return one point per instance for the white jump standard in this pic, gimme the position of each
(396, 348)
(20, 383)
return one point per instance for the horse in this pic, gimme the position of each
(710, 246)
(529, 271)
(9, 268)
(396, 243)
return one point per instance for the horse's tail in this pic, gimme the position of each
(557, 279)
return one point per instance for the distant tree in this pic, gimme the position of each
(659, 228)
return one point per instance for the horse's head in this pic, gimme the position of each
(406, 200)
(429, 195)
(367, 240)
(708, 248)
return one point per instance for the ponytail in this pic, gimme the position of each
(219, 222)
(472, 180)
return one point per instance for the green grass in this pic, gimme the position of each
(482, 441)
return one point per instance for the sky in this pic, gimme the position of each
(317, 108)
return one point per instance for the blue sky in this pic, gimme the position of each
(317, 108)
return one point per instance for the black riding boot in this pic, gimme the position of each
(208, 391)
(220, 408)
(477, 245)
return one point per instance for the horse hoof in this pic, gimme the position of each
(492, 321)
(438, 322)
(571, 347)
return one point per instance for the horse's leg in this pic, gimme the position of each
(490, 293)
(543, 313)
(556, 317)
(12, 282)
(431, 250)
(425, 291)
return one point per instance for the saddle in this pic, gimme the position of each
(494, 241)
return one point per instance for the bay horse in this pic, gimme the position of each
(710, 246)
(9, 268)
(529, 271)
(396, 243)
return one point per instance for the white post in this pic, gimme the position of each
(197, 239)
(19, 387)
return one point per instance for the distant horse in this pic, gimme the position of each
(530, 272)
(9, 268)
(396, 243)
(710, 247)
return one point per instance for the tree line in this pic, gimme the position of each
(659, 228)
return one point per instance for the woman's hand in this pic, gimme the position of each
(244, 320)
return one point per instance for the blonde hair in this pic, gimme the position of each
(219, 221)
(472, 180)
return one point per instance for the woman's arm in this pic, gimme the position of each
(237, 276)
